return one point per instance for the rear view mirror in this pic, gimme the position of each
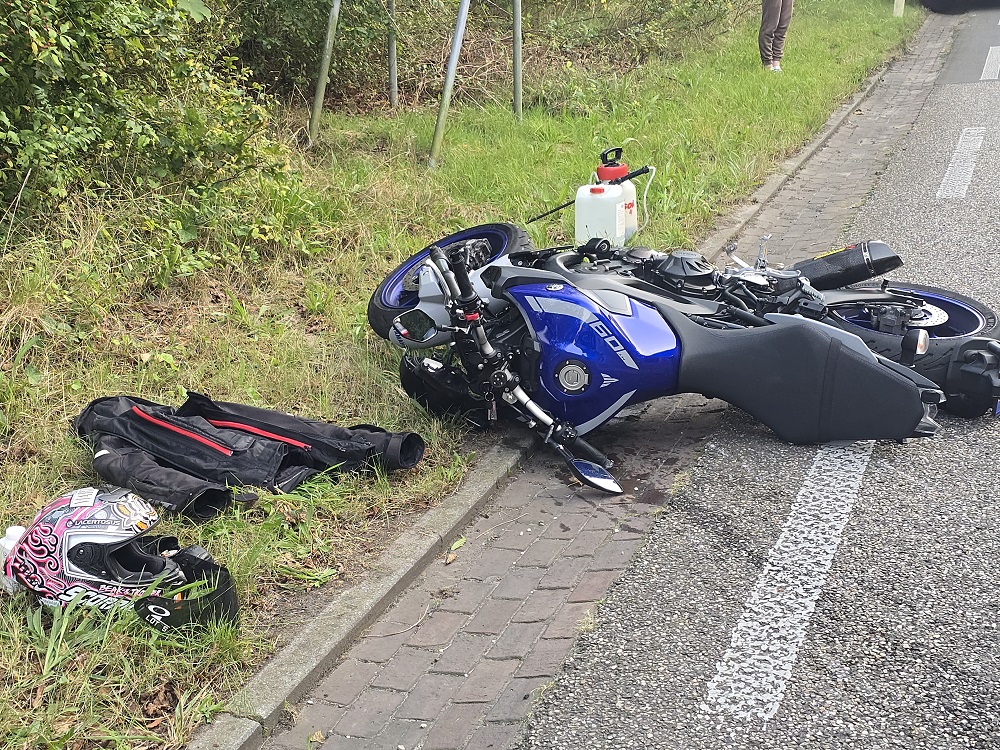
(416, 326)
(595, 475)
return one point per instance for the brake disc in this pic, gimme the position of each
(927, 316)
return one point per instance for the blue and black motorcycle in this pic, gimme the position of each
(563, 339)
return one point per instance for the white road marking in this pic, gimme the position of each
(963, 163)
(991, 70)
(751, 677)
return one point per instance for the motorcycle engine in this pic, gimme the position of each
(687, 271)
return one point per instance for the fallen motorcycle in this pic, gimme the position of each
(563, 339)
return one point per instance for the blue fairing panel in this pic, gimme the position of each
(593, 362)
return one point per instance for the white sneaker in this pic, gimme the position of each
(775, 67)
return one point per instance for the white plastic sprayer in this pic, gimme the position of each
(606, 207)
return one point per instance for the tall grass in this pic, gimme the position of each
(129, 297)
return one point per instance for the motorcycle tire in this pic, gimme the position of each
(977, 321)
(391, 296)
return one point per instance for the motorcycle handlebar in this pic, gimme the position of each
(461, 271)
(590, 452)
(455, 267)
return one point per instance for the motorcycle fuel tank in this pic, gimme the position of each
(598, 352)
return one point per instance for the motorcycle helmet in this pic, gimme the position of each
(91, 546)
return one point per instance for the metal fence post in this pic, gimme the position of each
(393, 71)
(449, 81)
(518, 111)
(324, 71)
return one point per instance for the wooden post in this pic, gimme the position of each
(897, 8)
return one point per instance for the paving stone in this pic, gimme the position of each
(567, 621)
(486, 681)
(404, 668)
(517, 538)
(615, 555)
(400, 732)
(466, 597)
(635, 527)
(601, 520)
(493, 617)
(586, 543)
(437, 630)
(379, 648)
(564, 573)
(429, 696)
(593, 586)
(463, 653)
(346, 681)
(629, 532)
(318, 717)
(516, 640)
(518, 584)
(369, 713)
(546, 658)
(517, 698)
(408, 608)
(541, 553)
(336, 741)
(494, 564)
(567, 525)
(493, 737)
(540, 605)
(453, 728)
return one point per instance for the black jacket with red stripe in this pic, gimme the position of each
(188, 459)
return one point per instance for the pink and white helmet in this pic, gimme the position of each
(90, 546)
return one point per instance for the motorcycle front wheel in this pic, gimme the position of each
(966, 318)
(396, 293)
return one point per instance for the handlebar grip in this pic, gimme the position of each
(461, 272)
(590, 452)
(437, 254)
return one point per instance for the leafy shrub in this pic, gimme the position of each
(99, 93)
(282, 41)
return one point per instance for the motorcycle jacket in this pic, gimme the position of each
(189, 459)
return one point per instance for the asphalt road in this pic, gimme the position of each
(833, 597)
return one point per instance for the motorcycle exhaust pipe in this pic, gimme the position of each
(858, 262)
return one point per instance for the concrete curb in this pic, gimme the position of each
(293, 671)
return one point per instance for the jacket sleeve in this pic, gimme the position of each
(125, 465)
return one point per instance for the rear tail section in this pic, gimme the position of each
(806, 381)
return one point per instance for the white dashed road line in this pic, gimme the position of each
(963, 163)
(991, 70)
(751, 677)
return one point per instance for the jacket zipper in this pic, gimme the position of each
(258, 431)
(181, 431)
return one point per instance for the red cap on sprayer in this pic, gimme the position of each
(611, 167)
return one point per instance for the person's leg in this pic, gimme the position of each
(769, 19)
(781, 29)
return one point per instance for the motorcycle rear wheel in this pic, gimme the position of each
(391, 297)
(968, 318)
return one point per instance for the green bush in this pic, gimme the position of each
(98, 94)
(282, 41)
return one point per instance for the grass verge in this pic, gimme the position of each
(286, 329)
